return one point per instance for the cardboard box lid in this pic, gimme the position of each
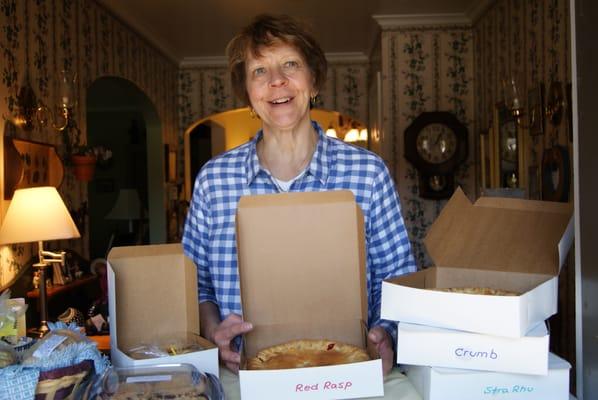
(502, 234)
(302, 259)
(155, 293)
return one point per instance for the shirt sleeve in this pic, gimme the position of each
(388, 246)
(195, 241)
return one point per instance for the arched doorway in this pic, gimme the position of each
(122, 118)
(214, 134)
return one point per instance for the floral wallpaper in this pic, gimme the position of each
(204, 91)
(425, 68)
(528, 41)
(460, 69)
(38, 39)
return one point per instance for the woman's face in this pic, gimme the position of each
(279, 84)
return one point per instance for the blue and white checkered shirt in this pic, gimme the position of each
(209, 236)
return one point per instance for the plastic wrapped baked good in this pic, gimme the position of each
(177, 343)
(162, 381)
(7, 355)
(53, 342)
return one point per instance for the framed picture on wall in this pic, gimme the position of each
(32, 164)
(170, 170)
(535, 105)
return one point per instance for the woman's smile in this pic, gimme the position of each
(279, 85)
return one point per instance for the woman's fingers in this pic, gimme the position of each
(227, 330)
(229, 356)
(383, 344)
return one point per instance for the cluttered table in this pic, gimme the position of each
(396, 386)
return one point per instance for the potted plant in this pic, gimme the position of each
(82, 157)
(85, 158)
(83, 161)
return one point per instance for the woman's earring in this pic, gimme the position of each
(252, 113)
(312, 101)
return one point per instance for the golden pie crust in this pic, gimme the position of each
(307, 353)
(479, 290)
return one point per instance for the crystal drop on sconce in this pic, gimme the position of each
(511, 97)
(67, 83)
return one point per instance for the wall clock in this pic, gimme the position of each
(436, 144)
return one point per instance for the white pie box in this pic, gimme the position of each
(501, 243)
(438, 347)
(152, 296)
(301, 260)
(436, 383)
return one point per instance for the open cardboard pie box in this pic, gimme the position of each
(502, 243)
(152, 296)
(301, 260)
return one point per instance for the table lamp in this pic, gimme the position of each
(127, 207)
(35, 215)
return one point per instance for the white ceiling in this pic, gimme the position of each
(187, 29)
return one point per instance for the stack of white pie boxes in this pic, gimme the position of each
(470, 347)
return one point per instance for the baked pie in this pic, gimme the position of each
(478, 290)
(307, 353)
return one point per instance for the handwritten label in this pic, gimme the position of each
(462, 352)
(495, 390)
(326, 386)
(149, 378)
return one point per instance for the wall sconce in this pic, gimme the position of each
(512, 100)
(555, 102)
(28, 109)
(24, 108)
(331, 132)
(349, 130)
(358, 136)
(67, 100)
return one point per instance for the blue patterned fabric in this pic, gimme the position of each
(19, 381)
(209, 234)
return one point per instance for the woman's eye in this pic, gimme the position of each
(259, 71)
(291, 64)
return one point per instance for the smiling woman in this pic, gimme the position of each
(277, 68)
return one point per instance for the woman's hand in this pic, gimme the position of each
(382, 342)
(224, 334)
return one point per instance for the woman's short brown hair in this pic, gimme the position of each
(266, 30)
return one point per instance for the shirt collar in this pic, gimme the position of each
(318, 167)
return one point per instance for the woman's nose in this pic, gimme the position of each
(277, 77)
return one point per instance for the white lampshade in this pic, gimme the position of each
(37, 214)
(331, 132)
(127, 205)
